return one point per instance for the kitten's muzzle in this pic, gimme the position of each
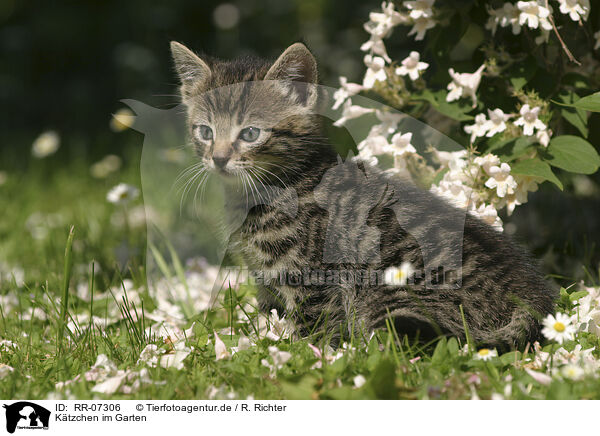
(220, 161)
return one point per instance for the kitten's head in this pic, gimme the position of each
(250, 117)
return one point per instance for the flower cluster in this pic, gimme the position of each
(481, 182)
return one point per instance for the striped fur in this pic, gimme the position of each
(379, 222)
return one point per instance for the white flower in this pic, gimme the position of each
(411, 66)
(401, 144)
(486, 354)
(420, 27)
(122, 194)
(543, 136)
(243, 344)
(106, 166)
(220, 349)
(176, 356)
(150, 355)
(455, 192)
(540, 377)
(5, 370)
(366, 155)
(558, 328)
(359, 381)
(111, 384)
(508, 15)
(350, 112)
(529, 120)
(375, 70)
(489, 215)
(380, 24)
(398, 276)
(479, 128)
(276, 328)
(487, 161)
(464, 84)
(123, 119)
(576, 9)
(447, 158)
(375, 143)
(420, 8)
(376, 46)
(497, 122)
(597, 38)
(532, 13)
(346, 90)
(45, 144)
(501, 180)
(572, 372)
(524, 185)
(278, 357)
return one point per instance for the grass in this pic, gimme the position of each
(84, 280)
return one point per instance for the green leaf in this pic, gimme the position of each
(577, 295)
(576, 116)
(510, 357)
(589, 103)
(456, 111)
(573, 154)
(535, 168)
(383, 381)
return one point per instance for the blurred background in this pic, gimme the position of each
(67, 64)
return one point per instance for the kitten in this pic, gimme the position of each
(254, 121)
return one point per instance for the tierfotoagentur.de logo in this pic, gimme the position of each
(24, 415)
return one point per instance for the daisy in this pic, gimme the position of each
(122, 194)
(359, 381)
(486, 354)
(558, 328)
(411, 66)
(572, 372)
(398, 276)
(121, 120)
(45, 144)
(529, 120)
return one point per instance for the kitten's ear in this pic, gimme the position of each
(192, 70)
(298, 66)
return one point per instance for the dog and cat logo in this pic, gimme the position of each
(26, 415)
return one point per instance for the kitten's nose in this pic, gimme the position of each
(220, 161)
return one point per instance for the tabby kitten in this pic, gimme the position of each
(253, 122)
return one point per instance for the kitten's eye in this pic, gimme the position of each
(204, 132)
(250, 134)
